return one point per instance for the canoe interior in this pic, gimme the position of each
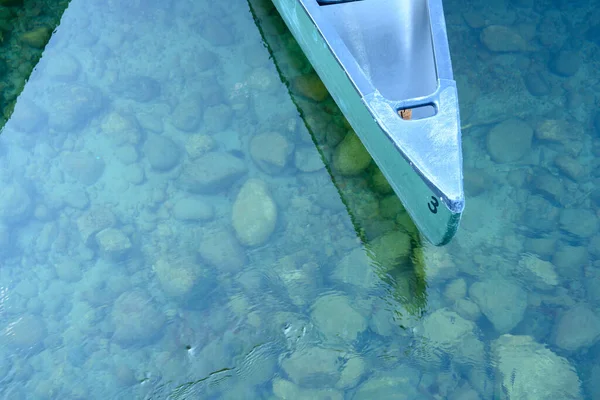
(391, 41)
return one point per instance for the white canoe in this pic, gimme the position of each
(383, 60)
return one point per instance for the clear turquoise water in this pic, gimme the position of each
(157, 242)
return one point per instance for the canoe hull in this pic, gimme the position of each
(436, 217)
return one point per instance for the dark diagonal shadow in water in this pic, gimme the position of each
(26, 27)
(389, 236)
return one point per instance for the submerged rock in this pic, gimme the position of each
(136, 318)
(82, 166)
(313, 366)
(15, 203)
(509, 141)
(28, 116)
(191, 209)
(176, 277)
(74, 105)
(27, 331)
(113, 243)
(350, 156)
(579, 222)
(138, 88)
(211, 173)
(528, 370)
(222, 250)
(335, 317)
(121, 129)
(187, 115)
(310, 86)
(498, 38)
(93, 221)
(254, 213)
(161, 152)
(501, 301)
(565, 63)
(448, 332)
(577, 328)
(271, 152)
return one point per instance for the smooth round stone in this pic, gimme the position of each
(62, 67)
(509, 141)
(350, 156)
(190, 209)
(565, 63)
(161, 152)
(136, 318)
(254, 213)
(536, 84)
(498, 38)
(84, 167)
(188, 114)
(15, 203)
(308, 159)
(211, 173)
(27, 116)
(138, 88)
(28, 331)
(217, 33)
(271, 151)
(222, 250)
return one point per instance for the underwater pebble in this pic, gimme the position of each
(191, 209)
(310, 86)
(501, 301)
(37, 38)
(254, 213)
(579, 222)
(139, 88)
(524, 366)
(27, 331)
(536, 84)
(83, 166)
(211, 173)
(499, 38)
(15, 203)
(350, 156)
(121, 129)
(586, 334)
(73, 105)
(316, 366)
(509, 140)
(113, 243)
(199, 144)
(27, 116)
(176, 277)
(570, 167)
(216, 33)
(217, 118)
(271, 152)
(335, 317)
(565, 63)
(222, 250)
(187, 115)
(62, 66)
(136, 318)
(93, 221)
(161, 152)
